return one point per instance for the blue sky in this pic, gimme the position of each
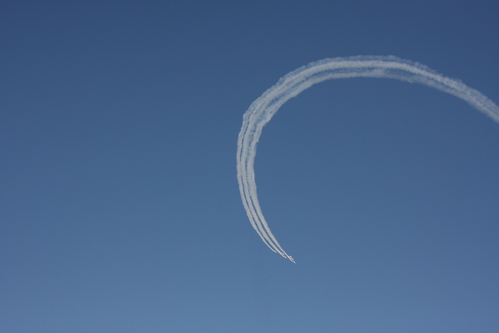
(119, 204)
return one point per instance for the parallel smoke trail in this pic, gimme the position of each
(263, 109)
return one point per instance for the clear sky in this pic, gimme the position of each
(119, 204)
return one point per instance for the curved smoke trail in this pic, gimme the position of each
(263, 109)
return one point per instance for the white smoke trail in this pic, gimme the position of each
(263, 109)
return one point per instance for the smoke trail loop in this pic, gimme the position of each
(263, 109)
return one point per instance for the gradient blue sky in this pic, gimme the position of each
(119, 204)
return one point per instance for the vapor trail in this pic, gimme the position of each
(263, 109)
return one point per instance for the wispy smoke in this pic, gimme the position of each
(263, 109)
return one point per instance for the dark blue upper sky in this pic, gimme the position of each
(119, 204)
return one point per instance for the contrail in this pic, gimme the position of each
(263, 109)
